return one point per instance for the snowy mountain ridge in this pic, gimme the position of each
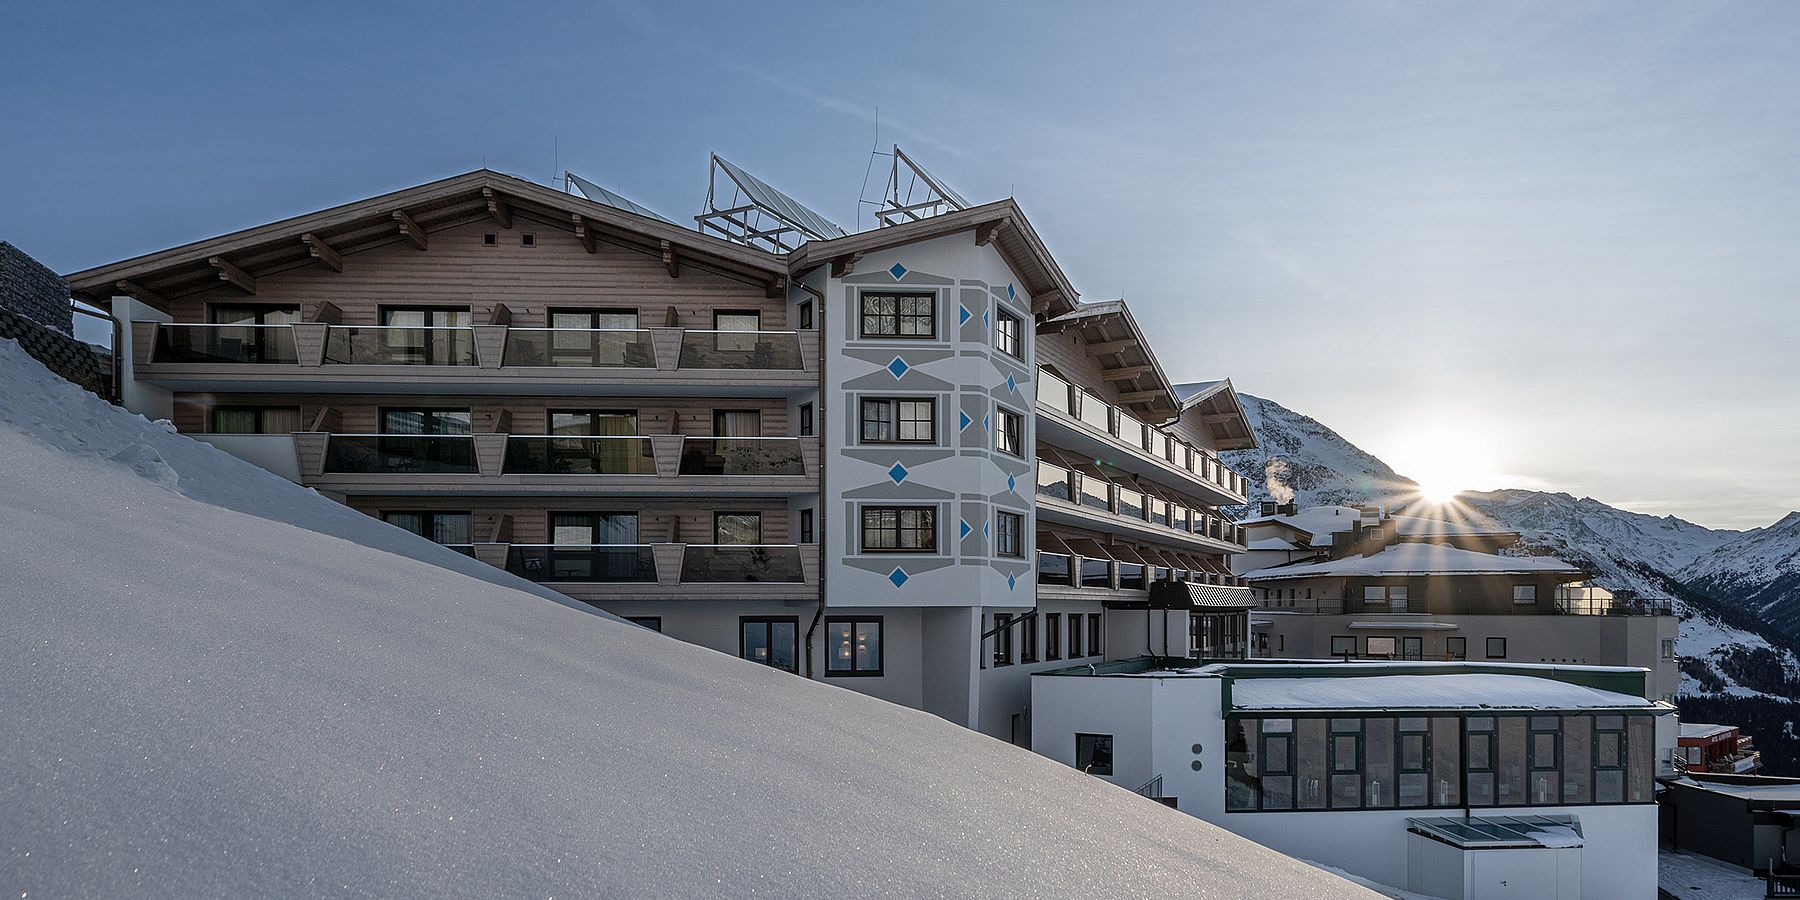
(1760, 569)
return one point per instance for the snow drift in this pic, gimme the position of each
(216, 683)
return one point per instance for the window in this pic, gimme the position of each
(584, 529)
(425, 421)
(597, 337)
(490, 239)
(1668, 648)
(806, 526)
(894, 420)
(806, 315)
(1009, 432)
(853, 645)
(1412, 648)
(1007, 329)
(1028, 639)
(1496, 648)
(654, 623)
(905, 529)
(1379, 594)
(433, 336)
(1002, 639)
(255, 419)
(1075, 637)
(1053, 635)
(1343, 645)
(1380, 648)
(737, 528)
(452, 528)
(1007, 528)
(769, 640)
(1524, 594)
(896, 315)
(1095, 646)
(737, 423)
(1456, 648)
(1094, 753)
(737, 329)
(528, 240)
(806, 419)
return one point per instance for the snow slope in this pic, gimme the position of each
(1760, 570)
(1298, 457)
(215, 683)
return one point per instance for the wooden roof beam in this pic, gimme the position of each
(1149, 397)
(233, 275)
(140, 293)
(987, 231)
(1126, 373)
(585, 234)
(844, 265)
(670, 261)
(776, 288)
(411, 230)
(1101, 348)
(1041, 302)
(1219, 418)
(497, 207)
(323, 252)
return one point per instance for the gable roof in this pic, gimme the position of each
(387, 218)
(1222, 413)
(1111, 336)
(1000, 223)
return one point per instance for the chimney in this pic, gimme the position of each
(1290, 508)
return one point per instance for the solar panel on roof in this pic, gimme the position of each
(599, 194)
(796, 213)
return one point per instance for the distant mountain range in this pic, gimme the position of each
(1738, 593)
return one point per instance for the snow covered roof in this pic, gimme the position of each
(246, 689)
(1501, 832)
(1222, 411)
(1421, 559)
(1752, 787)
(1323, 521)
(1143, 385)
(1274, 544)
(1436, 691)
(1700, 731)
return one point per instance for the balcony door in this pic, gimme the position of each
(737, 528)
(250, 340)
(425, 440)
(596, 337)
(428, 335)
(744, 320)
(602, 457)
(595, 547)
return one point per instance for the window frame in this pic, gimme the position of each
(1003, 416)
(1452, 643)
(880, 646)
(931, 528)
(1003, 642)
(654, 623)
(770, 622)
(1529, 592)
(894, 420)
(1094, 746)
(806, 526)
(863, 315)
(1003, 335)
(806, 420)
(1028, 635)
(720, 514)
(1333, 644)
(1488, 647)
(1017, 531)
(1053, 635)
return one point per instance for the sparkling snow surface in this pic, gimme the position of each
(1690, 876)
(209, 687)
(1471, 691)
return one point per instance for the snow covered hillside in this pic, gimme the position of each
(216, 683)
(1760, 570)
(1726, 652)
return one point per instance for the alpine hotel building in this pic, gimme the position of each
(905, 460)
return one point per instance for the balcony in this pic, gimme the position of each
(1586, 600)
(1069, 416)
(1080, 494)
(479, 359)
(1083, 565)
(523, 464)
(666, 571)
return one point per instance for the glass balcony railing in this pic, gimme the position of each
(739, 563)
(1053, 392)
(606, 563)
(702, 349)
(397, 345)
(1093, 411)
(1054, 568)
(266, 344)
(742, 456)
(400, 454)
(578, 455)
(596, 348)
(1100, 495)
(1098, 415)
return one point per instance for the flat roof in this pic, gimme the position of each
(1461, 691)
(1421, 559)
(1785, 790)
(1700, 730)
(1500, 832)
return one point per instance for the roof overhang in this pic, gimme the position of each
(1221, 415)
(1000, 223)
(329, 235)
(1111, 336)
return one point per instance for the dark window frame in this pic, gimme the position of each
(1093, 750)
(1003, 642)
(1017, 542)
(1004, 335)
(1489, 648)
(880, 646)
(895, 404)
(719, 514)
(896, 317)
(806, 420)
(1053, 635)
(654, 623)
(1333, 644)
(1016, 433)
(1028, 635)
(1452, 645)
(806, 526)
(262, 418)
(770, 622)
(929, 527)
(1096, 635)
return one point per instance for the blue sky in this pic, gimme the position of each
(1535, 245)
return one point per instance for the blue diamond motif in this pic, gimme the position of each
(965, 529)
(897, 271)
(984, 321)
(984, 529)
(1011, 581)
(1009, 292)
(898, 473)
(966, 421)
(1012, 385)
(1012, 484)
(963, 315)
(898, 367)
(898, 576)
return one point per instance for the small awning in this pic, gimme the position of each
(1125, 554)
(1048, 542)
(1089, 548)
(1192, 595)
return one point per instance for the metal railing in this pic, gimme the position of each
(709, 349)
(591, 563)
(1147, 440)
(741, 563)
(599, 348)
(400, 454)
(541, 454)
(400, 345)
(1614, 606)
(742, 456)
(195, 343)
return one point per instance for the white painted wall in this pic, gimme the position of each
(147, 400)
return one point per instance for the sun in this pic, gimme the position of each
(1444, 463)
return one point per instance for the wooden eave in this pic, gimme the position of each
(447, 203)
(1112, 338)
(1222, 415)
(1000, 223)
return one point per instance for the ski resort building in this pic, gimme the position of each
(1445, 779)
(1408, 588)
(907, 460)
